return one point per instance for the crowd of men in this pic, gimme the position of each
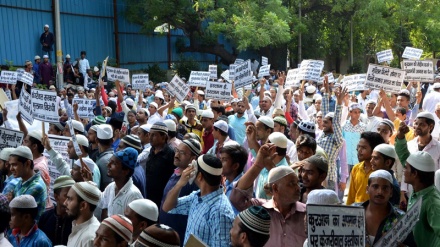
(157, 172)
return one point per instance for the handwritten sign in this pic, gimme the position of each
(25, 106)
(225, 75)
(402, 228)
(335, 225)
(114, 74)
(331, 77)
(218, 90)
(243, 74)
(264, 71)
(239, 61)
(44, 105)
(140, 81)
(232, 71)
(292, 77)
(178, 88)
(386, 78)
(310, 70)
(8, 94)
(412, 53)
(85, 107)
(354, 82)
(212, 71)
(75, 143)
(264, 61)
(417, 70)
(199, 78)
(384, 56)
(10, 138)
(8, 77)
(25, 77)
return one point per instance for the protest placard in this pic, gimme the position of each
(254, 66)
(384, 56)
(3, 98)
(44, 105)
(335, 225)
(178, 88)
(140, 81)
(264, 61)
(25, 77)
(386, 78)
(75, 144)
(212, 71)
(310, 70)
(402, 228)
(418, 70)
(243, 74)
(198, 78)
(412, 53)
(120, 74)
(8, 94)
(232, 71)
(354, 82)
(10, 138)
(218, 90)
(25, 106)
(239, 61)
(85, 107)
(331, 77)
(292, 77)
(264, 71)
(225, 75)
(8, 77)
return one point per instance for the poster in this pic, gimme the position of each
(44, 105)
(238, 61)
(114, 74)
(232, 72)
(292, 77)
(310, 70)
(10, 138)
(264, 71)
(25, 106)
(85, 107)
(384, 56)
(140, 82)
(178, 88)
(8, 77)
(225, 75)
(198, 78)
(243, 74)
(412, 53)
(419, 70)
(218, 90)
(386, 78)
(331, 78)
(334, 225)
(264, 61)
(354, 82)
(25, 77)
(8, 94)
(213, 72)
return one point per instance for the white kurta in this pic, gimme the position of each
(83, 234)
(116, 204)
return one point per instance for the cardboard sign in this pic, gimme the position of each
(232, 72)
(310, 70)
(417, 70)
(114, 74)
(386, 78)
(354, 82)
(199, 78)
(140, 81)
(332, 225)
(10, 138)
(8, 77)
(194, 241)
(25, 77)
(384, 56)
(264, 61)
(178, 88)
(412, 53)
(243, 74)
(292, 77)
(225, 75)
(402, 228)
(331, 78)
(44, 105)
(218, 90)
(85, 107)
(212, 71)
(25, 106)
(264, 71)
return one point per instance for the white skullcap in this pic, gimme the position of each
(279, 139)
(36, 57)
(296, 92)
(200, 92)
(221, 125)
(67, 56)
(268, 121)
(154, 104)
(24, 152)
(427, 115)
(311, 89)
(23, 201)
(96, 69)
(94, 128)
(371, 102)
(37, 134)
(45, 56)
(63, 181)
(267, 97)
(207, 114)
(278, 173)
(386, 149)
(77, 125)
(105, 132)
(317, 97)
(422, 161)
(120, 225)
(146, 127)
(159, 94)
(88, 191)
(89, 163)
(129, 102)
(171, 125)
(46, 25)
(82, 140)
(145, 208)
(353, 106)
(330, 115)
(4, 154)
(436, 85)
(382, 174)
(322, 197)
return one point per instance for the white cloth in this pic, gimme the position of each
(83, 234)
(143, 156)
(83, 66)
(291, 151)
(4, 242)
(372, 123)
(430, 100)
(154, 118)
(116, 204)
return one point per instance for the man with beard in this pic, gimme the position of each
(105, 141)
(208, 127)
(251, 228)
(238, 119)
(142, 116)
(91, 136)
(313, 173)
(81, 201)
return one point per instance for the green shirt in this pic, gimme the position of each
(427, 229)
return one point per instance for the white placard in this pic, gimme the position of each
(212, 71)
(218, 90)
(10, 138)
(412, 53)
(264, 61)
(331, 78)
(232, 71)
(384, 56)
(8, 77)
(419, 70)
(264, 71)
(85, 107)
(225, 75)
(75, 143)
(178, 88)
(310, 70)
(335, 225)
(387, 78)
(25, 106)
(254, 66)
(354, 82)
(140, 81)
(25, 77)
(198, 78)
(292, 77)
(402, 228)
(243, 74)
(44, 105)
(8, 94)
(238, 61)
(120, 74)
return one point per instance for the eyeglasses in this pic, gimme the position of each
(179, 152)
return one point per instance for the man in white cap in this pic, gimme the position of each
(47, 40)
(172, 133)
(251, 228)
(78, 128)
(238, 119)
(153, 114)
(81, 201)
(192, 124)
(351, 131)
(25, 232)
(83, 64)
(432, 98)
(208, 127)
(116, 229)
(221, 138)
(7, 179)
(258, 133)
(144, 137)
(93, 141)
(372, 121)
(67, 62)
(142, 116)
(142, 214)
(105, 141)
(46, 71)
(36, 69)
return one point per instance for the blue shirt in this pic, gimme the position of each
(262, 180)
(237, 123)
(10, 184)
(139, 179)
(34, 238)
(210, 217)
(229, 186)
(115, 145)
(35, 187)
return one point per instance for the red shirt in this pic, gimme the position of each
(208, 140)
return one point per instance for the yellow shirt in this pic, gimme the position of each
(409, 136)
(358, 184)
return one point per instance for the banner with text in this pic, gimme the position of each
(85, 107)
(386, 78)
(331, 77)
(243, 74)
(292, 77)
(354, 82)
(44, 105)
(114, 74)
(225, 75)
(264, 71)
(10, 138)
(310, 70)
(178, 88)
(25, 77)
(140, 81)
(218, 90)
(198, 78)
(264, 61)
(412, 53)
(212, 71)
(25, 106)
(384, 56)
(232, 71)
(418, 70)
(8, 77)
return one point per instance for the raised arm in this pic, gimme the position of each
(279, 96)
(387, 105)
(262, 88)
(172, 196)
